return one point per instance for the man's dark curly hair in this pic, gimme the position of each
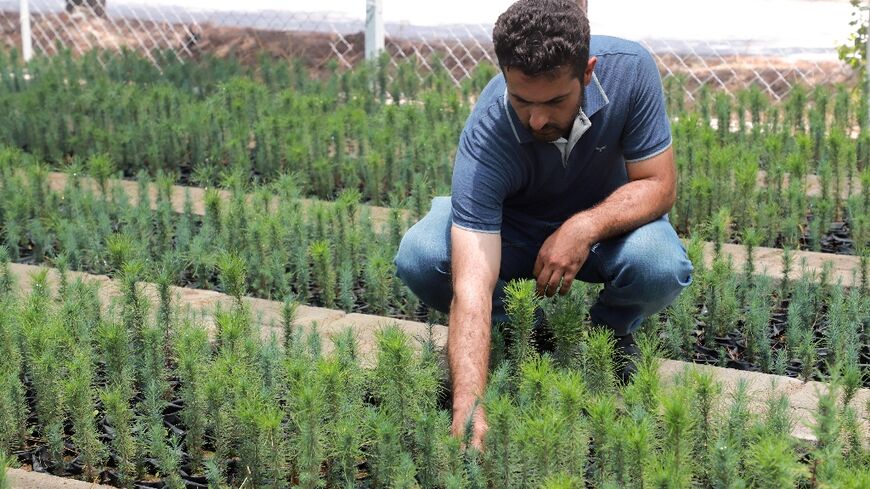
(540, 36)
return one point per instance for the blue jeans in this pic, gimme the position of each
(642, 271)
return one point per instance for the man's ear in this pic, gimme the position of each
(587, 74)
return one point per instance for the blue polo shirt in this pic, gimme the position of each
(506, 181)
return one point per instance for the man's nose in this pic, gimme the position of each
(538, 119)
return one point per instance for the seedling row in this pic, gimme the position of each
(141, 398)
(330, 255)
(382, 132)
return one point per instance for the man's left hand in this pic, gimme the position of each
(561, 257)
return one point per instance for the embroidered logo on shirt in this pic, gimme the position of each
(600, 148)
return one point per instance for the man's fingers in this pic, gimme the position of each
(539, 264)
(567, 280)
(553, 285)
(543, 278)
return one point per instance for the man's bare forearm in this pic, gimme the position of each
(629, 207)
(468, 351)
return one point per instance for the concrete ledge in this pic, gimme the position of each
(803, 396)
(25, 479)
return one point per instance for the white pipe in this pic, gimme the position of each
(26, 39)
(375, 29)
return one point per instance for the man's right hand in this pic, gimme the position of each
(479, 429)
(475, 263)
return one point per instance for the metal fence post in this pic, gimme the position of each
(374, 29)
(26, 39)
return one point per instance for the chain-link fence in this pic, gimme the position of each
(83, 25)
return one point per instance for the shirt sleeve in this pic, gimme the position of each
(647, 129)
(480, 181)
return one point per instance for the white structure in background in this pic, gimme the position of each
(26, 39)
(374, 29)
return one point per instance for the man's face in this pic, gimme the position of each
(547, 104)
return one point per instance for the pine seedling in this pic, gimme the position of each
(599, 367)
(540, 436)
(134, 304)
(562, 481)
(521, 303)
(232, 276)
(192, 352)
(787, 264)
(499, 457)
(386, 449)
(262, 448)
(535, 379)
(7, 281)
(307, 414)
(164, 309)
(61, 264)
(50, 402)
(680, 325)
(378, 273)
(678, 428)
(101, 168)
(124, 444)
(695, 252)
(751, 239)
(114, 342)
(828, 453)
(13, 409)
(81, 412)
(643, 392)
(406, 474)
(602, 418)
(324, 271)
(314, 341)
(403, 387)
(640, 443)
(566, 316)
(777, 417)
(233, 330)
(346, 283)
(167, 454)
(724, 470)
(772, 463)
(271, 359)
(735, 427)
(5, 464)
(757, 323)
(720, 227)
(807, 353)
(345, 450)
(722, 303)
(855, 455)
(288, 318)
(570, 393)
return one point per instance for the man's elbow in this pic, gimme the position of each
(670, 198)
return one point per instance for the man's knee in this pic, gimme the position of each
(411, 256)
(655, 264)
(424, 248)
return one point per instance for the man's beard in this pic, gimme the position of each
(552, 132)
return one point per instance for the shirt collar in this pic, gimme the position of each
(594, 99)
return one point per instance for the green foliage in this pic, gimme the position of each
(854, 51)
(521, 304)
(771, 462)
